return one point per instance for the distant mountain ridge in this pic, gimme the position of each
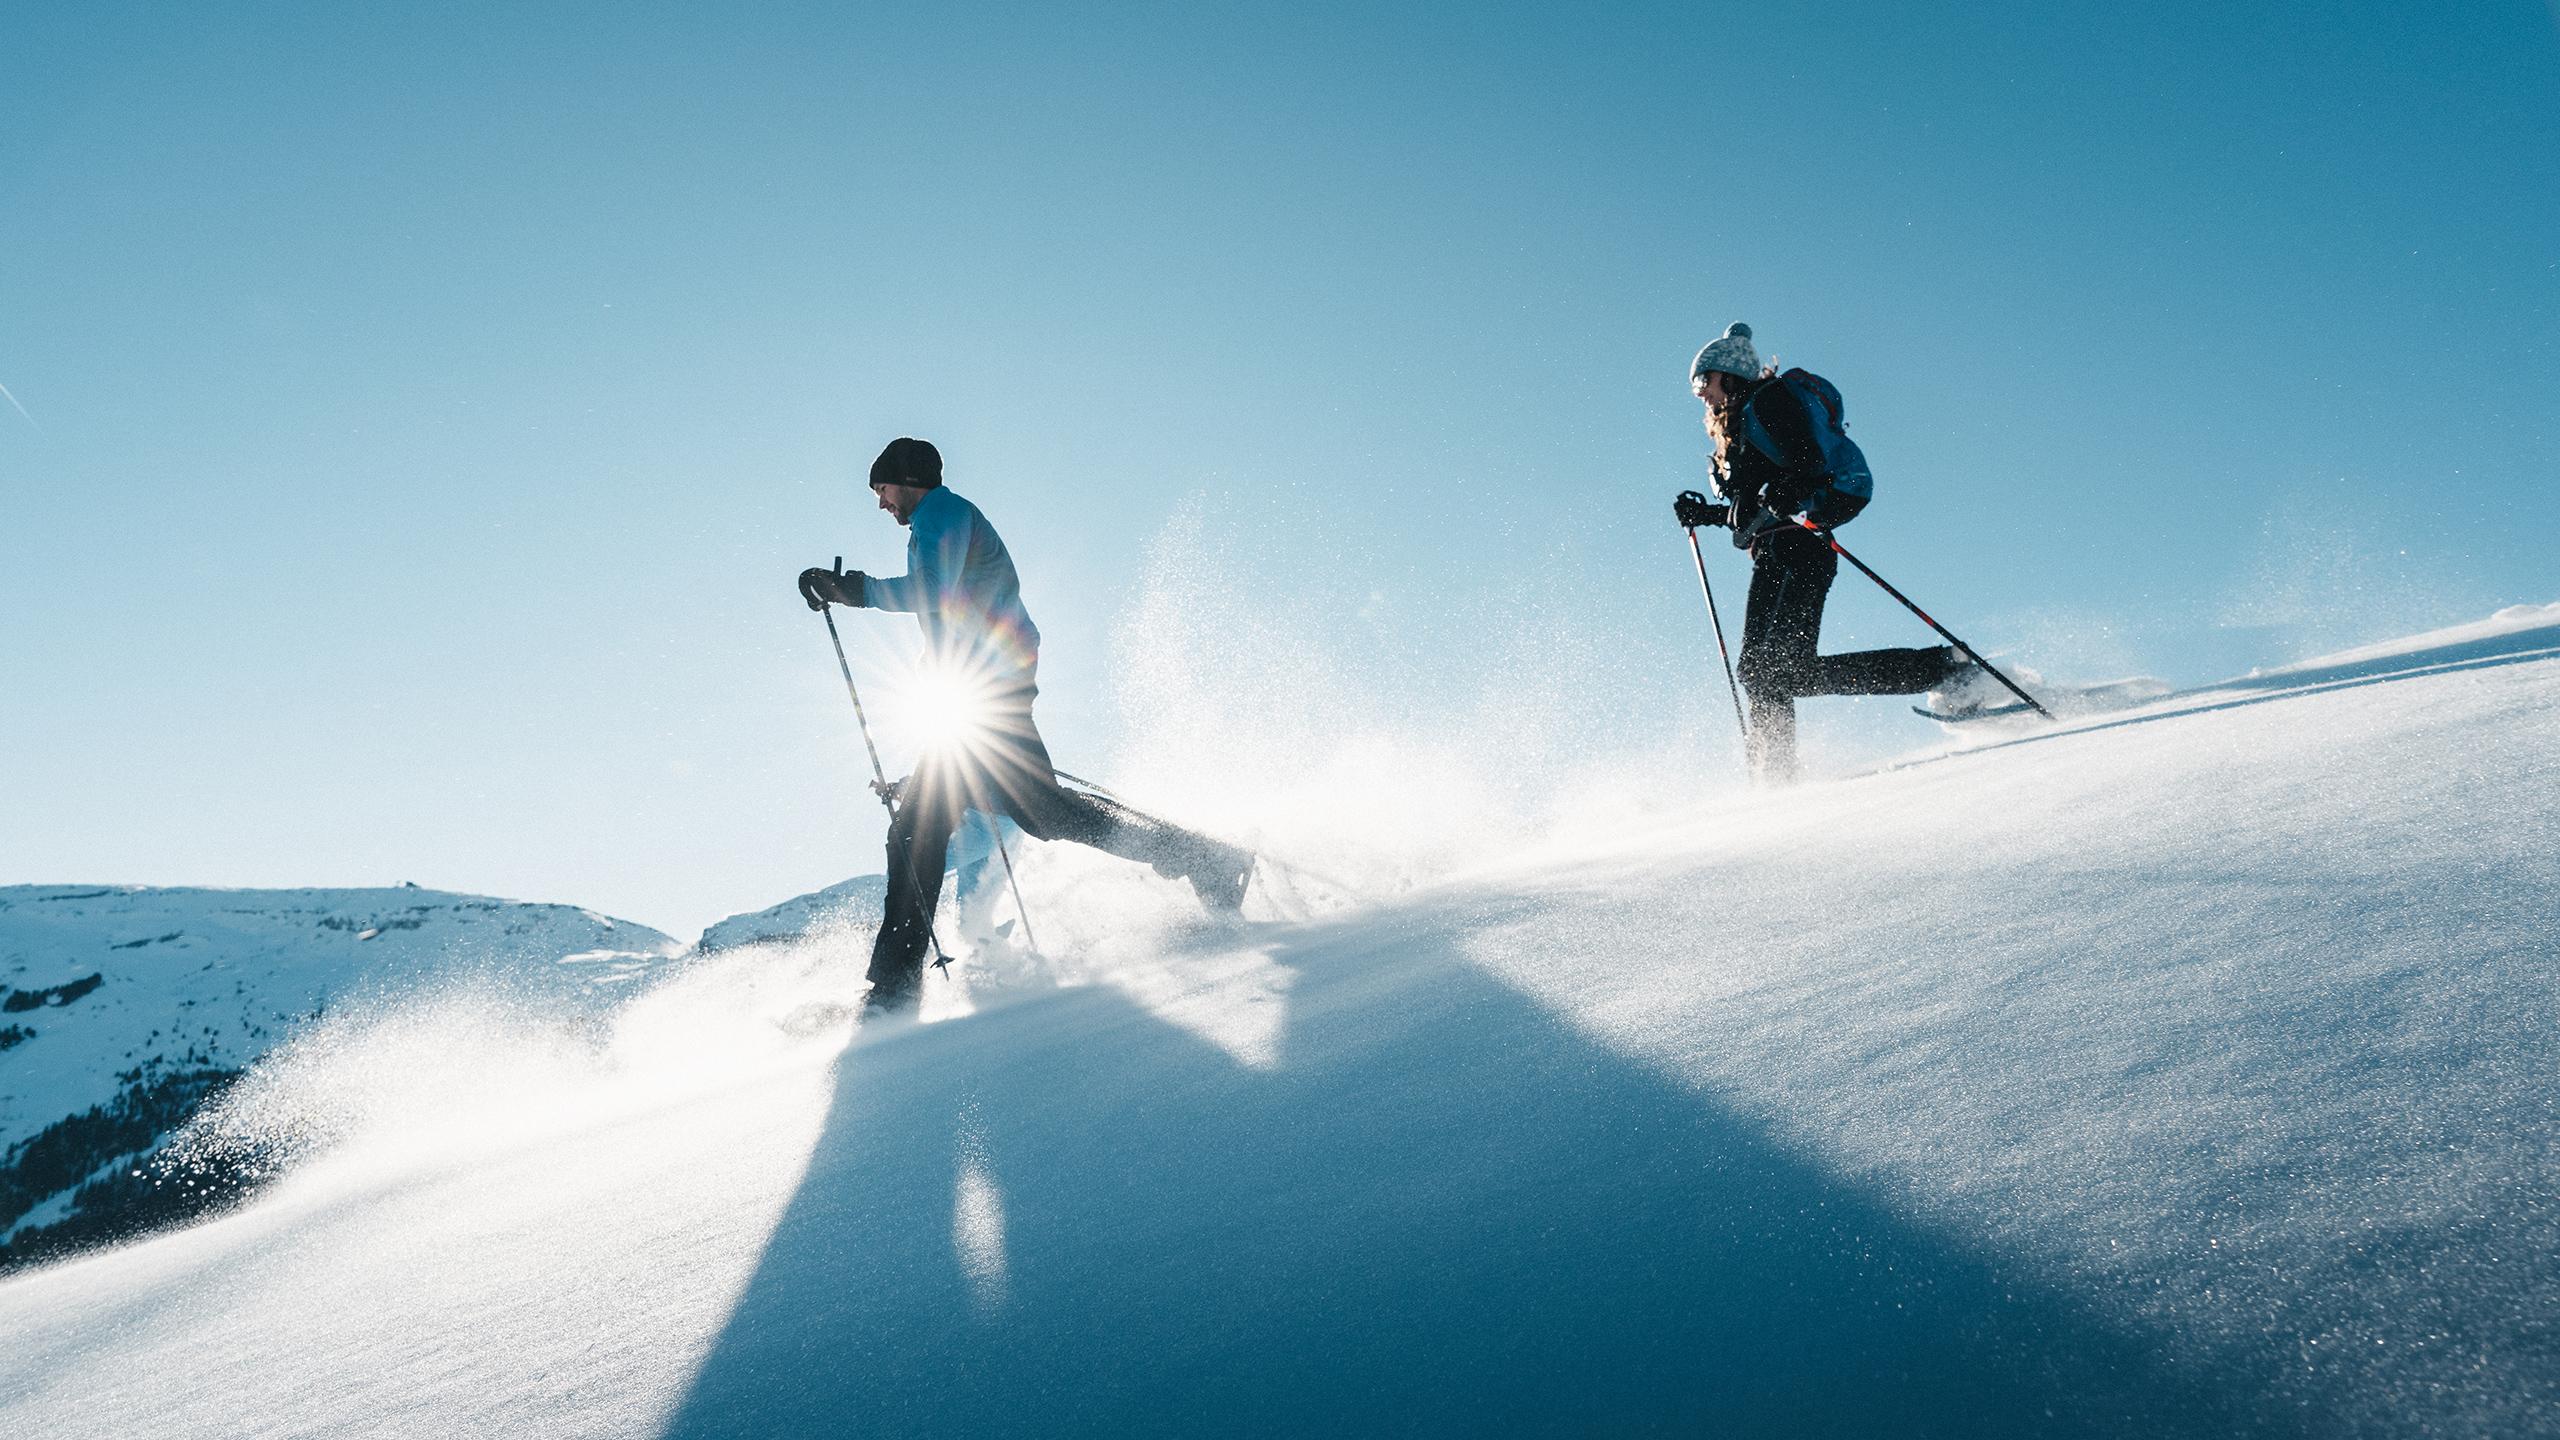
(124, 1009)
(852, 903)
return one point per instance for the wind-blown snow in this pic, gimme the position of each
(124, 1003)
(2185, 1071)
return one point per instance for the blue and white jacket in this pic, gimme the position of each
(961, 587)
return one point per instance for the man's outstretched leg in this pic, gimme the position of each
(1217, 871)
(1019, 777)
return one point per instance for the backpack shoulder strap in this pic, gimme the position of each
(1781, 425)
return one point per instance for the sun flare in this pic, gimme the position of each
(944, 708)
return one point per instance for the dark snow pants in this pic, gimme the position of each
(1791, 575)
(1007, 772)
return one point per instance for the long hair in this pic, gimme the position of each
(1724, 423)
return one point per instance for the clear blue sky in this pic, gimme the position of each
(431, 405)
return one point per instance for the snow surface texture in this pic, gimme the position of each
(126, 1004)
(2185, 1072)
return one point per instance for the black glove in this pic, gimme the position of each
(824, 587)
(1693, 510)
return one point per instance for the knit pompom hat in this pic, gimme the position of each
(1732, 354)
(908, 462)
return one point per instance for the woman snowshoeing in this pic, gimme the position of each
(1772, 464)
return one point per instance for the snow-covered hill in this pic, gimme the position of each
(2186, 1071)
(123, 1009)
(855, 902)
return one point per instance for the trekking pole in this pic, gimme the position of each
(1016, 885)
(879, 775)
(1713, 619)
(1969, 653)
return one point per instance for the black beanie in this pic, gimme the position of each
(908, 462)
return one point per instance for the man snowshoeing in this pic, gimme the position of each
(961, 587)
(1770, 467)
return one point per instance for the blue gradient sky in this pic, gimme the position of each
(429, 410)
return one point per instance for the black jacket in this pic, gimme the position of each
(1765, 485)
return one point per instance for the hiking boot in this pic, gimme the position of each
(890, 1001)
(1219, 878)
(1968, 689)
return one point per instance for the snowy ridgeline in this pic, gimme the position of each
(124, 1010)
(853, 904)
(2188, 1070)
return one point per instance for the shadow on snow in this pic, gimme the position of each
(1444, 1212)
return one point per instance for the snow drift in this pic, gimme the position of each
(2182, 1071)
(125, 1009)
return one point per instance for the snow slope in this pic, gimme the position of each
(125, 1006)
(2186, 1072)
(853, 903)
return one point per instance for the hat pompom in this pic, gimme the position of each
(1729, 354)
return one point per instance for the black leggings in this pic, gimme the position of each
(1791, 575)
(1005, 771)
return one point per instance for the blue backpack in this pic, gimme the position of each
(1848, 484)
